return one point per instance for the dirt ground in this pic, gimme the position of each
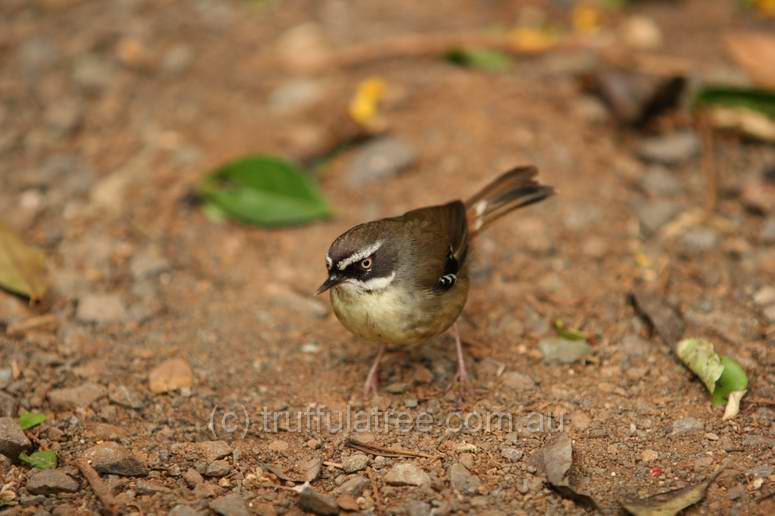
(111, 111)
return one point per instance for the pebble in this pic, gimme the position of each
(192, 477)
(148, 263)
(653, 215)
(700, 239)
(407, 474)
(183, 510)
(769, 313)
(311, 500)
(64, 115)
(177, 60)
(353, 486)
(511, 454)
(462, 480)
(355, 463)
(580, 420)
(563, 351)
(12, 438)
(417, 508)
(764, 296)
(649, 455)
(145, 487)
(641, 32)
(75, 397)
(658, 181)
(93, 74)
(767, 232)
(518, 381)
(8, 405)
(218, 468)
(279, 446)
(101, 308)
(230, 505)
(294, 95)
(214, 450)
(710, 436)
(686, 425)
(170, 375)
(126, 397)
(380, 159)
(669, 149)
(114, 459)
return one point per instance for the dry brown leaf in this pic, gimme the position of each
(22, 267)
(670, 502)
(755, 53)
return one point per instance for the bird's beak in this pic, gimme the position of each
(332, 281)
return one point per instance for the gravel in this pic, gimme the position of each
(12, 438)
(407, 474)
(51, 481)
(112, 458)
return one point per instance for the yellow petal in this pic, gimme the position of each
(364, 106)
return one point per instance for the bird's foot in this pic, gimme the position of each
(371, 384)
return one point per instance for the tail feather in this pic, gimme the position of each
(512, 190)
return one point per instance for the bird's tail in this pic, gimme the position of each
(514, 189)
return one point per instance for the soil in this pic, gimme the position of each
(110, 113)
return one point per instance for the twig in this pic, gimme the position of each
(98, 486)
(709, 169)
(385, 452)
(333, 464)
(758, 401)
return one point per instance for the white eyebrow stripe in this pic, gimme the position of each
(360, 255)
(329, 263)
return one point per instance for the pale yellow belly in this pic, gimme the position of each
(396, 316)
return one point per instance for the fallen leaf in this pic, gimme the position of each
(29, 420)
(364, 106)
(670, 502)
(733, 404)
(567, 333)
(22, 268)
(481, 59)
(755, 53)
(43, 459)
(661, 317)
(557, 461)
(732, 379)
(264, 190)
(748, 110)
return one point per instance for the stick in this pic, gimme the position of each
(709, 167)
(98, 486)
(379, 450)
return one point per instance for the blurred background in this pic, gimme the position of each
(173, 171)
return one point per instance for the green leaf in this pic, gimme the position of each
(566, 332)
(759, 100)
(732, 379)
(44, 459)
(482, 59)
(264, 190)
(699, 356)
(22, 268)
(28, 420)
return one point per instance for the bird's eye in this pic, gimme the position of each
(366, 264)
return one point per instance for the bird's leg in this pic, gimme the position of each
(461, 376)
(372, 380)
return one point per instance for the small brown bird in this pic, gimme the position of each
(403, 280)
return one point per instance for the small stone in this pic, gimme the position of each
(74, 397)
(126, 397)
(192, 477)
(64, 116)
(580, 420)
(150, 262)
(218, 468)
(170, 375)
(423, 375)
(93, 74)
(686, 425)
(700, 239)
(214, 450)
(511, 454)
(279, 446)
(467, 459)
(380, 159)
(654, 215)
(294, 95)
(563, 351)
(669, 149)
(518, 381)
(642, 32)
(710, 436)
(355, 463)
(312, 501)
(112, 458)
(183, 510)
(177, 59)
(101, 308)
(12, 438)
(660, 182)
(354, 486)
(736, 492)
(764, 296)
(769, 313)
(462, 480)
(417, 508)
(411, 403)
(767, 231)
(9, 407)
(649, 455)
(230, 505)
(145, 487)
(397, 387)
(407, 474)
(347, 503)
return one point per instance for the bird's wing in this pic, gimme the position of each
(439, 236)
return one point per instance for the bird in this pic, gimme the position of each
(400, 281)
